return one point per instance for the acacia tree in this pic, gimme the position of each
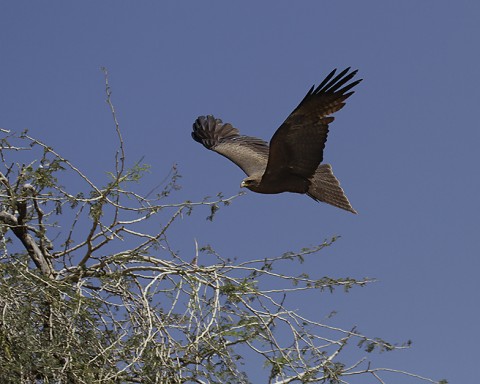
(91, 294)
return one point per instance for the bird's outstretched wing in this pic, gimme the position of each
(249, 153)
(297, 146)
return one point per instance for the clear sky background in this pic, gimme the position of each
(406, 146)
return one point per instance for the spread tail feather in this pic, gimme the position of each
(325, 187)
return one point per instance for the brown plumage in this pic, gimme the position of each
(291, 163)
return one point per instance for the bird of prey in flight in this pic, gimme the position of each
(291, 162)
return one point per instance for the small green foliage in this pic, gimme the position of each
(378, 344)
(75, 200)
(235, 292)
(133, 174)
(207, 249)
(277, 365)
(213, 209)
(96, 210)
(332, 372)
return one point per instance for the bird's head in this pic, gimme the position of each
(250, 183)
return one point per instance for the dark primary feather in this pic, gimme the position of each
(249, 153)
(210, 131)
(297, 146)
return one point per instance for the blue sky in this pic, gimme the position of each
(405, 147)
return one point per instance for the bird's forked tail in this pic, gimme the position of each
(325, 187)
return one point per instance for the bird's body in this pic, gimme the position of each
(291, 163)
